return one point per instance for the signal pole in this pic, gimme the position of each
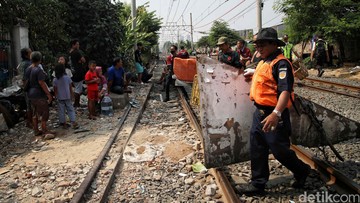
(192, 33)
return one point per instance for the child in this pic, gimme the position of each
(103, 82)
(62, 60)
(92, 81)
(64, 92)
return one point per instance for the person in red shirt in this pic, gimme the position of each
(244, 52)
(92, 81)
(183, 53)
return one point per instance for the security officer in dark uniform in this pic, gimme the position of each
(227, 55)
(272, 92)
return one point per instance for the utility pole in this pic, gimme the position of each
(192, 33)
(259, 18)
(133, 16)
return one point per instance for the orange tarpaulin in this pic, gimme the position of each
(185, 69)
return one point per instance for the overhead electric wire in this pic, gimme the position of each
(183, 10)
(241, 12)
(211, 12)
(205, 10)
(272, 19)
(167, 18)
(222, 15)
(177, 7)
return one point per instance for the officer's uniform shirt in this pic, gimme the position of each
(282, 73)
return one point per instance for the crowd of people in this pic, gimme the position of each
(69, 75)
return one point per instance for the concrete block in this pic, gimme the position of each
(119, 100)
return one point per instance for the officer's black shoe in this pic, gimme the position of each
(251, 190)
(166, 100)
(300, 182)
(320, 73)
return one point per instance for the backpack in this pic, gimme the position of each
(320, 51)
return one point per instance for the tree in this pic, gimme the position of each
(219, 29)
(96, 24)
(203, 42)
(145, 31)
(44, 20)
(337, 20)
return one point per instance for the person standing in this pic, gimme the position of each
(39, 95)
(77, 61)
(183, 53)
(226, 54)
(272, 92)
(92, 81)
(320, 53)
(21, 70)
(169, 71)
(138, 62)
(243, 51)
(64, 92)
(287, 50)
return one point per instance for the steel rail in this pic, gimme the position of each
(332, 176)
(79, 195)
(98, 162)
(333, 83)
(328, 90)
(220, 177)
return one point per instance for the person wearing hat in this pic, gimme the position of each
(226, 54)
(272, 92)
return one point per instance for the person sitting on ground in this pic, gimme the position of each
(39, 95)
(64, 93)
(146, 76)
(117, 82)
(92, 81)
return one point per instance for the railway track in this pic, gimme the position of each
(333, 87)
(112, 152)
(114, 149)
(331, 176)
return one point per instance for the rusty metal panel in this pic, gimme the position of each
(225, 111)
(337, 128)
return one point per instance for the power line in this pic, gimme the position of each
(177, 7)
(183, 10)
(241, 12)
(205, 10)
(170, 7)
(223, 14)
(272, 19)
(211, 12)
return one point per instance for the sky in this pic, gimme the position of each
(239, 14)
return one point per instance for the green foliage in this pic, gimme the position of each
(95, 24)
(46, 25)
(203, 42)
(336, 19)
(145, 31)
(219, 29)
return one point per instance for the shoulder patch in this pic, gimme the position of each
(283, 69)
(282, 74)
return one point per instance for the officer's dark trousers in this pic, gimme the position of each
(168, 81)
(279, 144)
